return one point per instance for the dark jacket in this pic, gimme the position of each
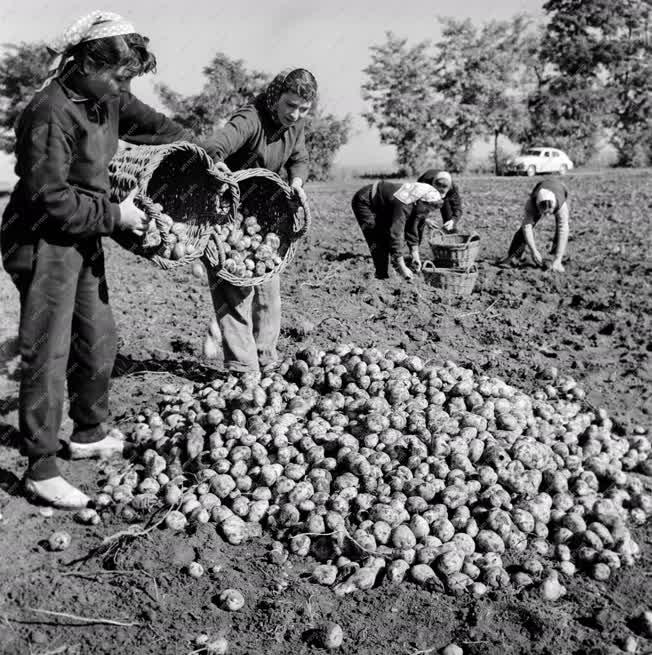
(451, 210)
(403, 222)
(63, 147)
(252, 139)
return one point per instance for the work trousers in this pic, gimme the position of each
(67, 336)
(376, 235)
(249, 319)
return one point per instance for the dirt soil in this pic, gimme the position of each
(592, 323)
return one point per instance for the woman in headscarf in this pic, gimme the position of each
(392, 215)
(547, 198)
(52, 233)
(270, 133)
(451, 209)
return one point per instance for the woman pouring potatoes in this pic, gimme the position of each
(51, 241)
(270, 133)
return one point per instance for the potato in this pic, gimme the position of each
(175, 520)
(442, 529)
(421, 573)
(450, 562)
(59, 540)
(402, 537)
(489, 541)
(324, 574)
(231, 600)
(233, 529)
(396, 571)
(457, 583)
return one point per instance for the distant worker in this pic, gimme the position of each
(451, 209)
(547, 198)
(391, 216)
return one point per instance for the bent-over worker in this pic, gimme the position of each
(391, 216)
(547, 198)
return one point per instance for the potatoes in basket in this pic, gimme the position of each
(170, 236)
(248, 252)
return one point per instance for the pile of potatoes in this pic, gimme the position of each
(377, 462)
(248, 252)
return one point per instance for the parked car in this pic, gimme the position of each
(539, 160)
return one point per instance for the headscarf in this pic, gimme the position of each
(546, 198)
(433, 175)
(276, 88)
(412, 191)
(96, 25)
(274, 91)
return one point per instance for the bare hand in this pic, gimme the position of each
(222, 167)
(557, 266)
(415, 263)
(299, 193)
(132, 218)
(538, 259)
(402, 269)
(449, 226)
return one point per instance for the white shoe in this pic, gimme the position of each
(103, 449)
(212, 340)
(57, 492)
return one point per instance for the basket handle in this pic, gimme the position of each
(474, 236)
(428, 267)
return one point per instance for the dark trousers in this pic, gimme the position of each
(376, 235)
(67, 335)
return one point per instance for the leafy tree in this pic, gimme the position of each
(399, 88)
(432, 103)
(228, 86)
(325, 135)
(486, 74)
(599, 54)
(567, 112)
(23, 67)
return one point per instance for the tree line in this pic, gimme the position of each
(582, 77)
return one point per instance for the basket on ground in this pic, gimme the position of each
(457, 282)
(262, 242)
(454, 250)
(181, 192)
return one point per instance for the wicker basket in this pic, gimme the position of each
(181, 178)
(451, 281)
(454, 250)
(266, 196)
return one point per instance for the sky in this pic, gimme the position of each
(331, 38)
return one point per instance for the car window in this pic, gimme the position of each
(533, 152)
(555, 154)
(546, 154)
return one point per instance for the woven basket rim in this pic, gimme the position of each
(149, 158)
(438, 241)
(250, 173)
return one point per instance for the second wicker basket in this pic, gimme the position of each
(265, 197)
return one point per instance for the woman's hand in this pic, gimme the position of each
(222, 167)
(449, 226)
(297, 189)
(415, 257)
(536, 256)
(557, 266)
(401, 268)
(132, 219)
